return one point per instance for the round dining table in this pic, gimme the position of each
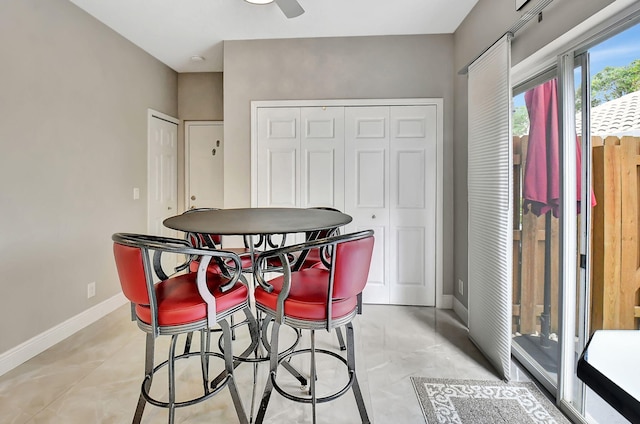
(249, 222)
(257, 221)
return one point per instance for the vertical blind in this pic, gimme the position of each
(490, 204)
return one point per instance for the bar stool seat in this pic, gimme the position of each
(179, 301)
(307, 298)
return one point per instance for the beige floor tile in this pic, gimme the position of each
(95, 375)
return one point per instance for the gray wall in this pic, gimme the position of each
(73, 128)
(487, 22)
(334, 68)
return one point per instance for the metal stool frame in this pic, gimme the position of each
(328, 247)
(161, 245)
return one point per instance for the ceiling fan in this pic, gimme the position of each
(290, 8)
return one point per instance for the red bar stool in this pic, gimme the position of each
(181, 304)
(313, 299)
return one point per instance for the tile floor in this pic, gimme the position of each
(94, 376)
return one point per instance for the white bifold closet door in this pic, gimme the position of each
(390, 177)
(489, 182)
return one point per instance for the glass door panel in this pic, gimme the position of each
(610, 97)
(536, 283)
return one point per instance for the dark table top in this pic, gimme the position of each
(250, 221)
(610, 366)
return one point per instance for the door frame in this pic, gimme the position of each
(443, 301)
(151, 114)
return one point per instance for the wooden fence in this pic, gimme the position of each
(615, 282)
(616, 234)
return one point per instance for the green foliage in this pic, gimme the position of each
(614, 82)
(520, 121)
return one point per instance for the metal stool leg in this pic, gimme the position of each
(229, 365)
(187, 343)
(255, 340)
(205, 347)
(294, 372)
(148, 372)
(233, 330)
(313, 375)
(340, 339)
(172, 379)
(351, 364)
(273, 364)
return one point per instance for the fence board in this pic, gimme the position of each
(629, 271)
(606, 234)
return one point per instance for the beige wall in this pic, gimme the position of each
(199, 99)
(73, 127)
(333, 68)
(200, 96)
(487, 22)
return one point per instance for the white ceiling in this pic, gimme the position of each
(175, 30)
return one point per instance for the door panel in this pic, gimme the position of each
(281, 171)
(413, 169)
(371, 179)
(278, 147)
(205, 164)
(319, 179)
(409, 256)
(322, 157)
(367, 188)
(376, 285)
(410, 184)
(162, 174)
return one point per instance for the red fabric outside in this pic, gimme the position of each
(308, 296)
(541, 186)
(179, 301)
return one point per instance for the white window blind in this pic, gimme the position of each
(490, 204)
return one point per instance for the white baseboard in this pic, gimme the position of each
(444, 301)
(461, 311)
(43, 341)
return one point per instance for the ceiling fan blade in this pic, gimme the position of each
(290, 8)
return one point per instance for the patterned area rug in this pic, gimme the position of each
(484, 402)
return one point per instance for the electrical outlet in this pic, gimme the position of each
(91, 289)
(460, 287)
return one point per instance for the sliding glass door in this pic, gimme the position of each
(576, 135)
(607, 116)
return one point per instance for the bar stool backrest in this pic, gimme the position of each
(351, 267)
(130, 266)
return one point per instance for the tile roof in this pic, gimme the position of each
(617, 117)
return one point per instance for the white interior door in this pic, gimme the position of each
(204, 164)
(367, 189)
(162, 177)
(413, 167)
